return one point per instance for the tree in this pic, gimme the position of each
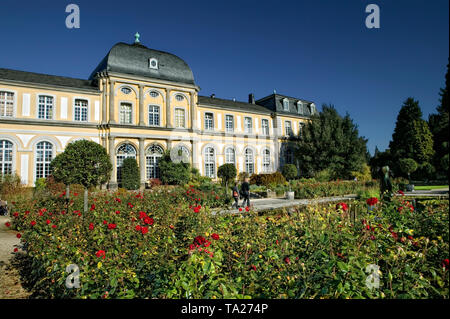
(438, 124)
(82, 162)
(227, 172)
(173, 173)
(408, 166)
(332, 142)
(289, 171)
(412, 137)
(130, 174)
(379, 160)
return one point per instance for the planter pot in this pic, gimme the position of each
(410, 187)
(290, 195)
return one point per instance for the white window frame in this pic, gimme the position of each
(14, 106)
(45, 163)
(175, 116)
(38, 95)
(266, 161)
(300, 107)
(227, 159)
(249, 161)
(248, 129)
(74, 100)
(210, 161)
(121, 157)
(288, 128)
(148, 114)
(3, 153)
(131, 112)
(206, 121)
(150, 66)
(152, 161)
(313, 108)
(227, 129)
(263, 128)
(285, 105)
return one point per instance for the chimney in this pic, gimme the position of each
(213, 95)
(251, 98)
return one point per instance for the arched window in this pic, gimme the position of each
(6, 104)
(124, 151)
(230, 156)
(153, 115)
(153, 155)
(313, 108)
(210, 162)
(179, 97)
(6, 157)
(45, 107)
(266, 161)
(249, 161)
(125, 90)
(44, 156)
(286, 105)
(300, 107)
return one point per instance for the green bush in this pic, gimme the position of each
(289, 171)
(9, 184)
(311, 189)
(173, 173)
(227, 172)
(130, 174)
(267, 179)
(324, 175)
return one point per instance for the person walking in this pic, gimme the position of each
(235, 196)
(245, 191)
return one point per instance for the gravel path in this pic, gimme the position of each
(10, 287)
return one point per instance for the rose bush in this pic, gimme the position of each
(166, 244)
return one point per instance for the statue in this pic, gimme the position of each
(385, 184)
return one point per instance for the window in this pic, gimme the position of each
(81, 110)
(313, 109)
(153, 115)
(249, 161)
(300, 128)
(286, 105)
(153, 63)
(125, 116)
(248, 124)
(179, 97)
(300, 107)
(289, 156)
(44, 156)
(229, 123)
(125, 90)
(154, 94)
(265, 127)
(153, 155)
(210, 162)
(179, 118)
(6, 104)
(180, 154)
(230, 156)
(266, 161)
(6, 157)
(124, 151)
(288, 128)
(45, 107)
(209, 121)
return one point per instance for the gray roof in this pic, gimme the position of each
(235, 105)
(275, 103)
(39, 78)
(134, 59)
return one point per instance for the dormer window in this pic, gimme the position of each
(179, 97)
(153, 63)
(125, 90)
(286, 105)
(313, 108)
(300, 107)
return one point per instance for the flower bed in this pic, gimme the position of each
(165, 244)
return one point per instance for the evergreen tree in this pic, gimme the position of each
(438, 124)
(332, 142)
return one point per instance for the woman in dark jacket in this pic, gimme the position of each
(245, 192)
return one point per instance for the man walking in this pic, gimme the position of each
(245, 192)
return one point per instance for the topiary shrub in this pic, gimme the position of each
(289, 171)
(130, 174)
(173, 173)
(227, 172)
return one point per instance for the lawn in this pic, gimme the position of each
(429, 187)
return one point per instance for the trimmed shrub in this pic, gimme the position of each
(267, 179)
(227, 172)
(130, 174)
(289, 171)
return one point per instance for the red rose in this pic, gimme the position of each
(105, 222)
(16, 214)
(53, 226)
(149, 220)
(247, 208)
(142, 215)
(93, 207)
(117, 212)
(138, 228)
(445, 263)
(191, 247)
(18, 235)
(199, 240)
(144, 230)
(215, 236)
(100, 253)
(91, 226)
(287, 260)
(343, 206)
(7, 224)
(372, 201)
(16, 250)
(253, 267)
(130, 205)
(111, 226)
(401, 193)
(33, 223)
(240, 209)
(171, 226)
(48, 221)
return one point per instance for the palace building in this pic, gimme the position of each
(138, 103)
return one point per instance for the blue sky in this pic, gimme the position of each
(317, 50)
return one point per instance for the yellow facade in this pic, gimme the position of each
(133, 115)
